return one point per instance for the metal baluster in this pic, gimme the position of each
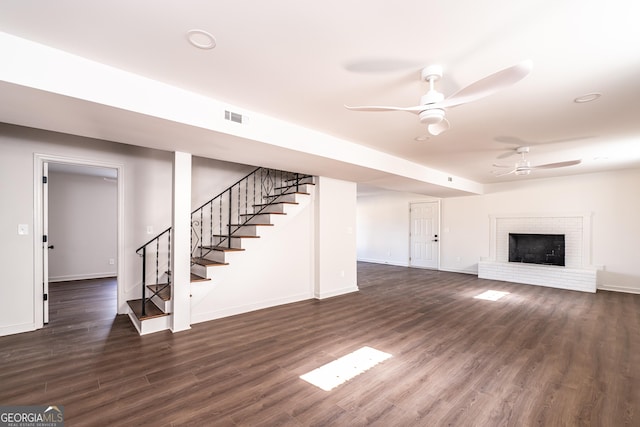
(211, 224)
(230, 215)
(144, 277)
(201, 235)
(169, 257)
(157, 258)
(256, 201)
(238, 210)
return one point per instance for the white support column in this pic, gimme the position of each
(181, 243)
(335, 238)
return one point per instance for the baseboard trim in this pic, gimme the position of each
(614, 288)
(453, 270)
(241, 309)
(17, 329)
(382, 261)
(337, 292)
(73, 277)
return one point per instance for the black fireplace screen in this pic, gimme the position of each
(537, 248)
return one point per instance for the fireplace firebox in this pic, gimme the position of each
(547, 249)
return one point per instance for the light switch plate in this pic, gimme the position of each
(23, 229)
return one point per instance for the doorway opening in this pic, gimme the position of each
(78, 231)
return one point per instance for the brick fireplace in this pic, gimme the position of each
(577, 274)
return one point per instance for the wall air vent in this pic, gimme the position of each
(234, 117)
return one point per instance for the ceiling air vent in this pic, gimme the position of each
(234, 117)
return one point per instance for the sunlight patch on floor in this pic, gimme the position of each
(339, 371)
(491, 295)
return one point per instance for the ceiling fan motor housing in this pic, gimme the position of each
(431, 116)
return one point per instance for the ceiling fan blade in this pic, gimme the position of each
(501, 166)
(505, 173)
(437, 128)
(558, 164)
(488, 85)
(522, 142)
(507, 154)
(417, 109)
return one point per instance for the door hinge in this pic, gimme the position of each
(45, 297)
(44, 179)
(44, 238)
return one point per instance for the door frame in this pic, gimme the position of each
(38, 215)
(439, 207)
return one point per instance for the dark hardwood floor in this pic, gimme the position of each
(537, 357)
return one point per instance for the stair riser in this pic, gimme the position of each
(248, 230)
(302, 188)
(277, 209)
(218, 256)
(161, 304)
(199, 270)
(149, 326)
(236, 242)
(283, 198)
(260, 219)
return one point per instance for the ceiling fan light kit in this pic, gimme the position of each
(433, 105)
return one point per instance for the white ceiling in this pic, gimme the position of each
(302, 61)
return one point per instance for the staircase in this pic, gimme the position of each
(218, 229)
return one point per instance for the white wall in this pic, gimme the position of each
(276, 268)
(309, 252)
(613, 199)
(210, 177)
(335, 237)
(147, 176)
(83, 226)
(383, 226)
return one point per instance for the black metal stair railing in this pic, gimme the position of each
(156, 262)
(215, 223)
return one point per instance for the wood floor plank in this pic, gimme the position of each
(539, 356)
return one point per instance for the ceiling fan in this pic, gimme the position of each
(524, 143)
(433, 104)
(524, 167)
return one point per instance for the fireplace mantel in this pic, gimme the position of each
(578, 273)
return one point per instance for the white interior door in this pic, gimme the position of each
(45, 242)
(425, 234)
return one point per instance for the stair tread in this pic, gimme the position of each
(196, 278)
(165, 290)
(302, 178)
(263, 213)
(275, 203)
(208, 262)
(243, 236)
(222, 248)
(286, 194)
(246, 225)
(152, 310)
(294, 185)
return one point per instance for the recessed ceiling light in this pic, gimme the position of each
(587, 98)
(201, 39)
(421, 138)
